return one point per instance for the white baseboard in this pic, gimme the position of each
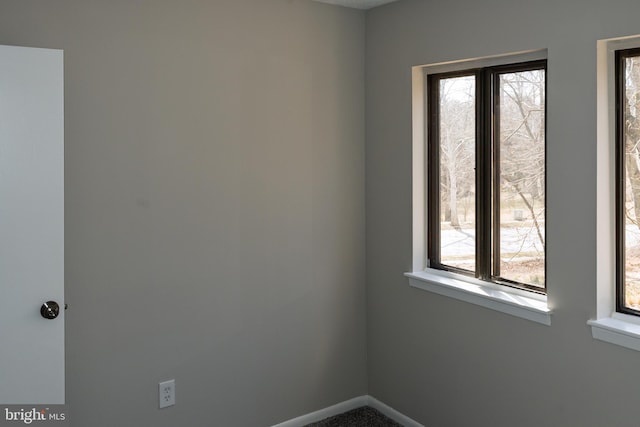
(348, 405)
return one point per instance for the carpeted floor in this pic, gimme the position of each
(359, 417)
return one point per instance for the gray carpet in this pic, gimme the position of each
(359, 417)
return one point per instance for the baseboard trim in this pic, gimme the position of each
(348, 405)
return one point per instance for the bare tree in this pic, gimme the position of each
(457, 144)
(632, 134)
(522, 141)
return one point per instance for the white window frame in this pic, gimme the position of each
(609, 325)
(512, 301)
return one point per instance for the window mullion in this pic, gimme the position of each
(620, 180)
(483, 175)
(495, 184)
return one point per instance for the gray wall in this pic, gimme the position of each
(215, 174)
(448, 363)
(214, 205)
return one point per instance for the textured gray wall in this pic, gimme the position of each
(448, 363)
(214, 205)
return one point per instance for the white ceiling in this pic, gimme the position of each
(358, 4)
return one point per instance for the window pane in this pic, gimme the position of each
(632, 182)
(457, 174)
(521, 183)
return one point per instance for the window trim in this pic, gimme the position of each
(609, 325)
(620, 168)
(515, 302)
(524, 304)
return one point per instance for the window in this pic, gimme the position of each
(478, 129)
(617, 311)
(486, 173)
(627, 102)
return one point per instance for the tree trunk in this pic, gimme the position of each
(534, 217)
(453, 202)
(633, 173)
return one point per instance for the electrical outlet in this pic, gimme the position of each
(167, 393)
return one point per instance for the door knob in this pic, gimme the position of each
(50, 310)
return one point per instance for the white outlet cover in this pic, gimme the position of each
(167, 393)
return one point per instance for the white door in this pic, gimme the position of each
(31, 225)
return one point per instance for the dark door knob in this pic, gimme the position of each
(50, 310)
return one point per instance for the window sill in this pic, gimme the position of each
(617, 331)
(517, 303)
